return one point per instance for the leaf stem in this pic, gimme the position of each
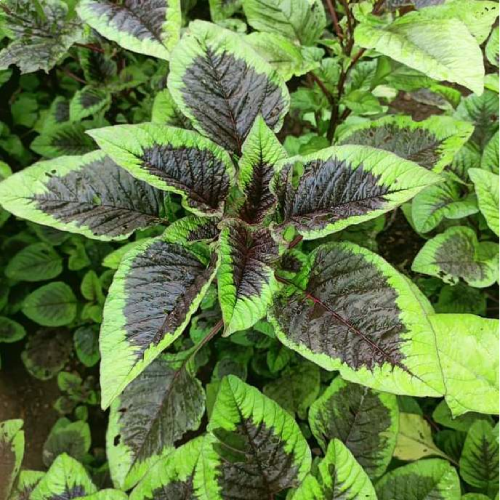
(90, 47)
(333, 14)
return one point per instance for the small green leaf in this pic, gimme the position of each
(86, 340)
(54, 304)
(442, 415)
(479, 460)
(414, 439)
(37, 262)
(11, 453)
(421, 480)
(87, 102)
(486, 186)
(10, 330)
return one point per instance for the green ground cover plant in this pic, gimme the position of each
(252, 248)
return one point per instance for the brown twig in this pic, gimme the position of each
(330, 4)
(321, 85)
(90, 47)
(73, 76)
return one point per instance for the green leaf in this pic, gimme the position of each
(46, 353)
(442, 49)
(339, 477)
(68, 437)
(302, 20)
(342, 186)
(40, 36)
(461, 298)
(192, 229)
(486, 187)
(471, 372)
(214, 76)
(222, 9)
(149, 27)
(492, 49)
(11, 453)
(174, 160)
(172, 476)
(438, 202)
(86, 340)
(166, 112)
(254, 450)
(442, 415)
(66, 478)
(478, 16)
(65, 139)
(155, 411)
(25, 484)
(296, 389)
(421, 480)
(245, 276)
(482, 112)
(89, 195)
(456, 254)
(98, 68)
(431, 143)
(489, 159)
(414, 440)
(37, 262)
(364, 420)
(154, 293)
(479, 460)
(107, 494)
(10, 330)
(54, 304)
(87, 102)
(283, 55)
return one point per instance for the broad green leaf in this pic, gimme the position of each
(482, 112)
(442, 49)
(222, 85)
(431, 143)
(98, 68)
(37, 262)
(191, 229)
(354, 313)
(46, 352)
(461, 298)
(471, 371)
(57, 114)
(86, 339)
(222, 9)
(25, 484)
(342, 186)
(89, 195)
(66, 478)
(456, 254)
(65, 139)
(87, 102)
(172, 477)
(68, 437)
(435, 203)
(107, 494)
(155, 411)
(339, 477)
(479, 460)
(489, 159)
(283, 55)
(296, 389)
(474, 496)
(10, 330)
(260, 153)
(477, 16)
(492, 49)
(364, 420)
(421, 480)
(41, 34)
(245, 277)
(299, 20)
(155, 291)
(166, 112)
(468, 157)
(486, 187)
(11, 454)
(54, 304)
(172, 159)
(414, 440)
(254, 450)
(442, 415)
(149, 27)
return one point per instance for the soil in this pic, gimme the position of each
(23, 396)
